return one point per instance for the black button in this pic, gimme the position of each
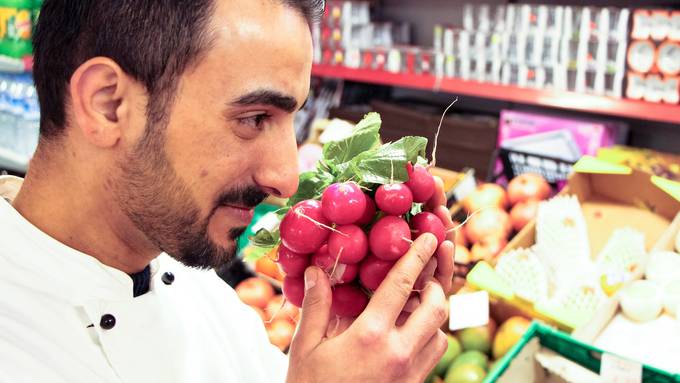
(168, 278)
(107, 322)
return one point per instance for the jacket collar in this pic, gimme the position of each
(40, 262)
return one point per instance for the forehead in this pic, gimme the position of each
(257, 44)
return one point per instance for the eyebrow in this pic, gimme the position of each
(267, 97)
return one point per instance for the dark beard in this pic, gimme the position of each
(161, 206)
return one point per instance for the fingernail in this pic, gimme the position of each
(310, 278)
(430, 240)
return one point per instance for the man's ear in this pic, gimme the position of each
(99, 90)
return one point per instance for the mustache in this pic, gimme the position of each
(245, 196)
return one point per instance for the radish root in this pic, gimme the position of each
(467, 219)
(436, 136)
(303, 215)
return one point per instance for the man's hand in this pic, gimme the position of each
(397, 337)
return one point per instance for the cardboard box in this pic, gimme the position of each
(611, 197)
(654, 343)
(463, 141)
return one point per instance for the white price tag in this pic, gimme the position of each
(468, 310)
(615, 369)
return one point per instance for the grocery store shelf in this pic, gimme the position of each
(551, 98)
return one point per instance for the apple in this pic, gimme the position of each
(280, 333)
(487, 248)
(276, 309)
(255, 292)
(528, 186)
(460, 238)
(488, 222)
(522, 213)
(488, 194)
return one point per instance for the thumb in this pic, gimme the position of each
(316, 308)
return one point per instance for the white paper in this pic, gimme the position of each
(468, 310)
(618, 370)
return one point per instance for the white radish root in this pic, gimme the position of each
(433, 163)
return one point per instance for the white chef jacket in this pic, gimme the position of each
(53, 298)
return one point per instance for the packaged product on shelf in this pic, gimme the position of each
(674, 34)
(668, 58)
(16, 28)
(661, 24)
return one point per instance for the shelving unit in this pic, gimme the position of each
(550, 98)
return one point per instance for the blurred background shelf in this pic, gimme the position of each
(549, 98)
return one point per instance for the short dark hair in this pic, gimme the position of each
(154, 41)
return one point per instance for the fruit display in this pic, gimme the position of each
(495, 213)
(473, 352)
(278, 315)
(354, 216)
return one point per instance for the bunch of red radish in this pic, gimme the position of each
(354, 237)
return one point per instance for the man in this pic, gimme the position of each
(163, 124)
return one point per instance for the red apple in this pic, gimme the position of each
(255, 292)
(488, 222)
(485, 195)
(276, 309)
(487, 248)
(528, 186)
(460, 234)
(522, 213)
(280, 333)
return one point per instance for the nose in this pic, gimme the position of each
(278, 171)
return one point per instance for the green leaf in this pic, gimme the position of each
(265, 238)
(422, 161)
(256, 253)
(311, 185)
(417, 208)
(365, 136)
(386, 164)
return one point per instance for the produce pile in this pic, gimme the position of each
(355, 215)
(474, 352)
(495, 213)
(279, 317)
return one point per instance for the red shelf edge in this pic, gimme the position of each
(551, 98)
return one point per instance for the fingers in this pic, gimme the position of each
(444, 215)
(426, 275)
(389, 299)
(428, 317)
(430, 355)
(445, 265)
(337, 326)
(316, 308)
(439, 196)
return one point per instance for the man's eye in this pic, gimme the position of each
(254, 121)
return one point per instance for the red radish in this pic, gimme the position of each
(349, 243)
(522, 213)
(348, 301)
(292, 263)
(394, 199)
(390, 238)
(427, 222)
(294, 290)
(342, 272)
(255, 292)
(369, 213)
(304, 228)
(343, 203)
(486, 195)
(528, 186)
(373, 271)
(420, 181)
(488, 222)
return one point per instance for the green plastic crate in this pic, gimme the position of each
(583, 354)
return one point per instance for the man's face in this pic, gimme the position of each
(190, 187)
